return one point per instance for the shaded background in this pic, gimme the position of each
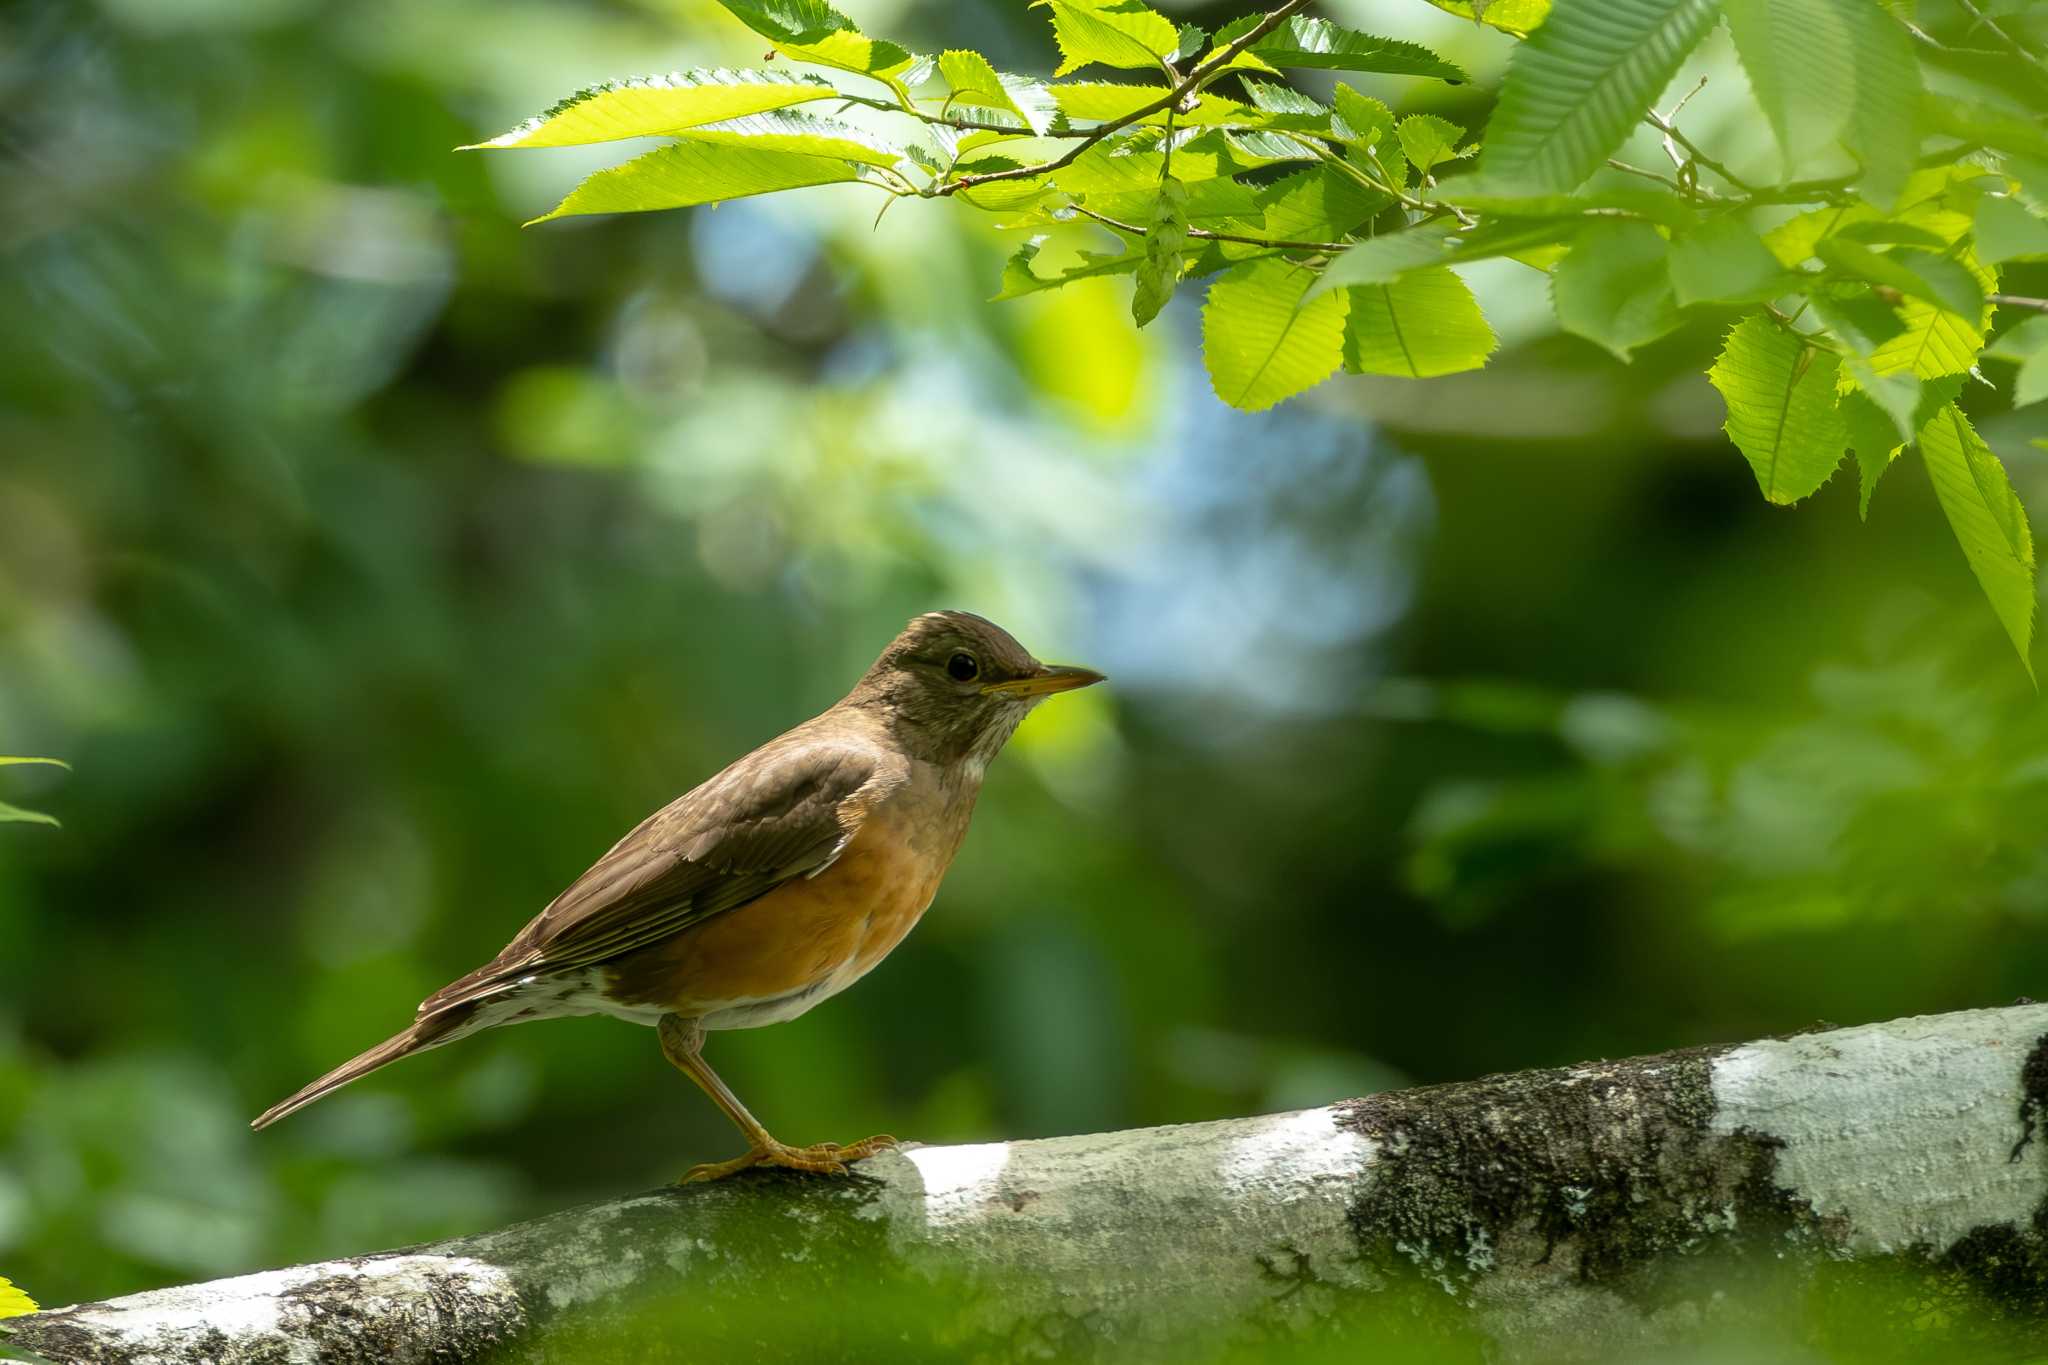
(376, 563)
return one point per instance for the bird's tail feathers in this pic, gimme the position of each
(429, 1031)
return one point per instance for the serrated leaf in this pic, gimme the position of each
(689, 173)
(2008, 230)
(805, 134)
(1303, 41)
(1614, 287)
(1019, 277)
(974, 82)
(1874, 440)
(653, 106)
(1723, 260)
(1261, 343)
(1519, 17)
(1120, 33)
(1318, 205)
(1159, 271)
(1422, 325)
(1577, 87)
(13, 1302)
(1862, 323)
(1987, 519)
(1190, 40)
(1800, 56)
(1428, 141)
(1782, 411)
(812, 31)
(1934, 341)
(1441, 242)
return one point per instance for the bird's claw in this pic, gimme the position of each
(824, 1158)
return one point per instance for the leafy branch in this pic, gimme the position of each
(1329, 230)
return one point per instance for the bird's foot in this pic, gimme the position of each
(825, 1158)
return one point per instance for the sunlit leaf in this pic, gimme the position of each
(1159, 271)
(1261, 342)
(1725, 261)
(1614, 287)
(807, 134)
(1987, 519)
(1519, 17)
(1304, 41)
(1934, 341)
(1940, 280)
(1424, 324)
(1121, 33)
(1580, 83)
(9, 759)
(658, 105)
(1782, 413)
(1020, 278)
(812, 31)
(1317, 205)
(1428, 141)
(696, 173)
(1441, 242)
(14, 1302)
(973, 81)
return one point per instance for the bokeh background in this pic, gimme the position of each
(376, 563)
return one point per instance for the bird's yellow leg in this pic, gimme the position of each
(682, 1042)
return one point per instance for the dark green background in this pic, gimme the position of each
(376, 563)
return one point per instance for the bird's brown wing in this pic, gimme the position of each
(784, 811)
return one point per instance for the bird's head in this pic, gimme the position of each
(955, 686)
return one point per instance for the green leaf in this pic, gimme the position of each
(1424, 324)
(1659, 206)
(974, 82)
(812, 31)
(1862, 323)
(8, 759)
(654, 106)
(1938, 279)
(1614, 288)
(1261, 341)
(1725, 261)
(2008, 230)
(1020, 279)
(1875, 441)
(1800, 56)
(1428, 141)
(2027, 344)
(1987, 519)
(1159, 272)
(16, 815)
(807, 134)
(1782, 413)
(1883, 130)
(1519, 17)
(1386, 258)
(1577, 87)
(1318, 205)
(1934, 341)
(1113, 32)
(696, 173)
(13, 1302)
(1302, 41)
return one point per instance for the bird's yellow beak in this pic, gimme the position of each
(1054, 678)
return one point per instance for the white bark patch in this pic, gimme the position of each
(1897, 1134)
(264, 1311)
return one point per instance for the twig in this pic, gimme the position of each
(1700, 191)
(1672, 135)
(2017, 48)
(2017, 301)
(1203, 234)
(1214, 63)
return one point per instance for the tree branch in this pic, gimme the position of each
(1201, 72)
(1554, 1211)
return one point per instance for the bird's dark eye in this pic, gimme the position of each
(962, 667)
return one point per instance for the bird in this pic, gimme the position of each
(768, 888)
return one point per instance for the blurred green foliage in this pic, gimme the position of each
(375, 564)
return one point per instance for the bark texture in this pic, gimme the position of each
(1561, 1214)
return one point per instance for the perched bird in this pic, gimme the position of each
(773, 886)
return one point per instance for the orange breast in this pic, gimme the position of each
(816, 934)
